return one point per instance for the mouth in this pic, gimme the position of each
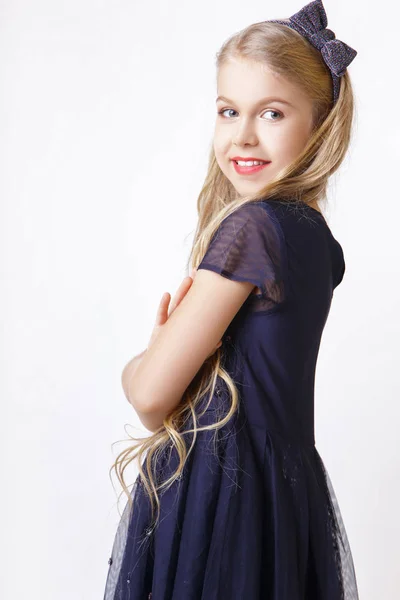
(255, 165)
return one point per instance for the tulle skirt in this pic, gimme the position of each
(254, 516)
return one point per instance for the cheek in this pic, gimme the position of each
(221, 140)
(219, 154)
(300, 136)
(291, 143)
(221, 151)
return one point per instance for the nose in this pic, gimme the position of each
(244, 134)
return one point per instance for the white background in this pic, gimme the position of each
(106, 121)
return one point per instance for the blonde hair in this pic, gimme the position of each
(289, 54)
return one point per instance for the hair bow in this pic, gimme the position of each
(311, 22)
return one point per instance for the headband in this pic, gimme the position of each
(311, 22)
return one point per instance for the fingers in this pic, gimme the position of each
(162, 311)
(181, 293)
(165, 309)
(215, 349)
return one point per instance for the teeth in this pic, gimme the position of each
(249, 163)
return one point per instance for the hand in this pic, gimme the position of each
(162, 317)
(181, 292)
(164, 312)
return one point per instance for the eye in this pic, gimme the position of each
(276, 112)
(224, 110)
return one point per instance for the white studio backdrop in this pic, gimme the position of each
(107, 114)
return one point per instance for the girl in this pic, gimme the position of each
(232, 501)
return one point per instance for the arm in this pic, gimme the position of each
(190, 335)
(244, 253)
(129, 370)
(165, 309)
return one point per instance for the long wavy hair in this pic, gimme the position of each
(289, 54)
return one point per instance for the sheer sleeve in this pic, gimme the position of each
(249, 246)
(338, 263)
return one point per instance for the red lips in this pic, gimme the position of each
(249, 158)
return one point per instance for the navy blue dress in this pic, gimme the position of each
(254, 515)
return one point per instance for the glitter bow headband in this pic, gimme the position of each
(311, 22)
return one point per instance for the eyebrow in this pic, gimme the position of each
(262, 101)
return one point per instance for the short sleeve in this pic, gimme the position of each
(339, 264)
(248, 246)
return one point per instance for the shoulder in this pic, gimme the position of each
(252, 218)
(252, 211)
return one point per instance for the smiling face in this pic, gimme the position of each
(263, 116)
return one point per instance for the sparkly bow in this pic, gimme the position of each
(313, 20)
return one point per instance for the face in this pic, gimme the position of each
(262, 116)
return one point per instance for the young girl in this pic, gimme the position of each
(232, 501)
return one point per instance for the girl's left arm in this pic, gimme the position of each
(129, 370)
(184, 342)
